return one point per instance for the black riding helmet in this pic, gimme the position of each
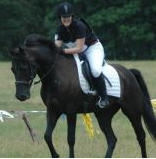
(65, 9)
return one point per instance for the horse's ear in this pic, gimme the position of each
(17, 52)
(21, 49)
(14, 52)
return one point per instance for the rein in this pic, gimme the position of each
(48, 72)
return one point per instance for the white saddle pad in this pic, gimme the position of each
(108, 71)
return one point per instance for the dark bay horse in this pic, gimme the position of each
(61, 93)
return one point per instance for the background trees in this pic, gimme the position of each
(126, 28)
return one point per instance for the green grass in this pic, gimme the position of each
(16, 142)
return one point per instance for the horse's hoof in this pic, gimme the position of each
(55, 156)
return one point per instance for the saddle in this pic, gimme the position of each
(86, 81)
(87, 71)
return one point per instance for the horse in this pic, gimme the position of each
(61, 93)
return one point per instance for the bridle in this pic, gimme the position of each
(31, 78)
(24, 82)
(32, 75)
(46, 74)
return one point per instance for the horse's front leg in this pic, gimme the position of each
(71, 122)
(51, 123)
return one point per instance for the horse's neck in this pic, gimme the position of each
(45, 69)
(58, 69)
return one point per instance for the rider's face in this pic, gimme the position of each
(66, 21)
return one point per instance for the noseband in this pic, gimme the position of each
(24, 82)
(31, 78)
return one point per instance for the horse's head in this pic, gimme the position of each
(37, 52)
(24, 70)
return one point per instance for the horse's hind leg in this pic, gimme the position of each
(104, 120)
(135, 119)
(51, 123)
(140, 133)
(71, 122)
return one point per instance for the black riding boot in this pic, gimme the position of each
(100, 86)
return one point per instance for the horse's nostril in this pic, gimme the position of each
(22, 97)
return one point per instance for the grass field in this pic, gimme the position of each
(16, 142)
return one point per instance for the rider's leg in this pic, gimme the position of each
(100, 86)
(95, 56)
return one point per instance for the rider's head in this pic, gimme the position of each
(65, 13)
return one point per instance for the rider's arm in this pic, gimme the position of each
(80, 34)
(78, 48)
(58, 37)
(58, 43)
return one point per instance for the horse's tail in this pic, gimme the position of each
(148, 113)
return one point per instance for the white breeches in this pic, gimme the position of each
(95, 55)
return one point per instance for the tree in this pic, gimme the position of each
(18, 18)
(126, 28)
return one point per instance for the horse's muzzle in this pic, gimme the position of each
(22, 97)
(22, 92)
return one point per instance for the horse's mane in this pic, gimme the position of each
(36, 39)
(39, 40)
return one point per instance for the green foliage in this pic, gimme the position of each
(17, 19)
(126, 28)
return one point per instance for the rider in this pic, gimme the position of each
(79, 37)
